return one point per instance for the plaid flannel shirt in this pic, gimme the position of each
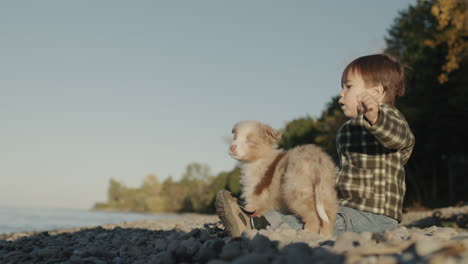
(372, 176)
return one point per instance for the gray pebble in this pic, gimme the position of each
(160, 244)
(259, 243)
(102, 236)
(4, 243)
(407, 256)
(425, 247)
(392, 237)
(275, 236)
(75, 259)
(191, 245)
(458, 237)
(289, 232)
(210, 249)
(280, 260)
(217, 261)
(134, 251)
(256, 258)
(347, 241)
(402, 232)
(387, 260)
(204, 235)
(13, 255)
(444, 233)
(231, 250)
(47, 252)
(117, 260)
(173, 245)
(162, 258)
(93, 260)
(194, 232)
(298, 253)
(431, 229)
(366, 235)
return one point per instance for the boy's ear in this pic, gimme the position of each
(378, 92)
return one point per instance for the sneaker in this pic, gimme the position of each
(235, 220)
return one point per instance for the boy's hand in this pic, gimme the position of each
(368, 106)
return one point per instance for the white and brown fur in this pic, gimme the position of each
(300, 181)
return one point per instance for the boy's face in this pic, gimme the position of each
(353, 85)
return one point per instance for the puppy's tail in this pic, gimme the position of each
(319, 204)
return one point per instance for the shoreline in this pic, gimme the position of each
(165, 221)
(195, 238)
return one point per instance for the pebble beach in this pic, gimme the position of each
(435, 236)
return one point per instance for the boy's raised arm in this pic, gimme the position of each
(392, 130)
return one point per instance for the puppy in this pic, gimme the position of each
(300, 181)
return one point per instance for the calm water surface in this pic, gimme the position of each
(27, 219)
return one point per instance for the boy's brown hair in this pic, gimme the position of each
(379, 69)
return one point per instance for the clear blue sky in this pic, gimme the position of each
(93, 90)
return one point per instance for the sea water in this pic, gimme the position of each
(33, 219)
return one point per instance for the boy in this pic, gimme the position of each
(373, 146)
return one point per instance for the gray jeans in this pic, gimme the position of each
(347, 219)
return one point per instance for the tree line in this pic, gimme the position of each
(194, 192)
(430, 39)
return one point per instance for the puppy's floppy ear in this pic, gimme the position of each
(272, 135)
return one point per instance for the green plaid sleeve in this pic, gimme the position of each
(392, 131)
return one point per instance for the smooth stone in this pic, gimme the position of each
(252, 258)
(458, 237)
(162, 258)
(102, 236)
(259, 243)
(117, 260)
(191, 245)
(43, 252)
(75, 259)
(193, 233)
(445, 233)
(210, 249)
(173, 245)
(281, 244)
(367, 235)
(231, 250)
(289, 232)
(431, 229)
(386, 260)
(4, 243)
(160, 244)
(135, 251)
(347, 241)
(392, 237)
(298, 253)
(264, 232)
(407, 256)
(94, 260)
(217, 261)
(427, 246)
(275, 236)
(402, 232)
(204, 235)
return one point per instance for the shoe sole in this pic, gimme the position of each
(224, 212)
